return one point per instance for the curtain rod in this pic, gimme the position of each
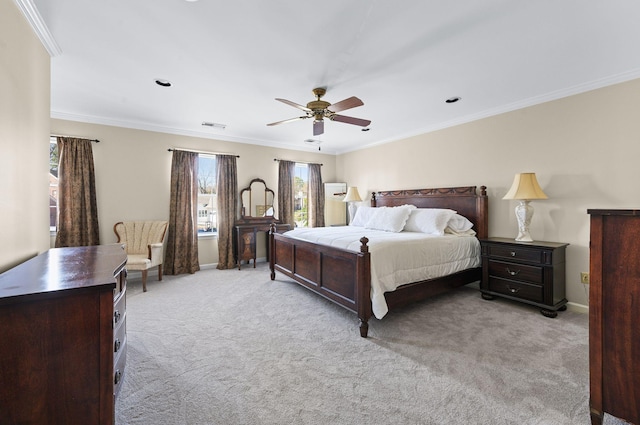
(299, 162)
(74, 137)
(205, 152)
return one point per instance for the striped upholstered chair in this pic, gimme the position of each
(144, 245)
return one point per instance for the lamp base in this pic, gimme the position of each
(352, 211)
(524, 212)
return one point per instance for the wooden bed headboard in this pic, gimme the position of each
(465, 200)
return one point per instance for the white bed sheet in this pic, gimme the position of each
(399, 258)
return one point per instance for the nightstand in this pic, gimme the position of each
(528, 272)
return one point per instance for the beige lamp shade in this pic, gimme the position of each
(352, 195)
(525, 186)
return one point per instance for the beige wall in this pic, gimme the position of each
(24, 139)
(133, 173)
(584, 150)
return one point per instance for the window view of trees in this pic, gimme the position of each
(53, 183)
(301, 195)
(207, 194)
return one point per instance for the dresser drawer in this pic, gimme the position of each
(520, 290)
(515, 271)
(515, 253)
(119, 337)
(118, 367)
(119, 309)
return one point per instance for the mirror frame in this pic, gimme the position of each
(244, 208)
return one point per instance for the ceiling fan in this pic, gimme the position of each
(320, 109)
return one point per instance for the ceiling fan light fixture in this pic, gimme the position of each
(320, 109)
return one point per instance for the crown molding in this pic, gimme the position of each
(30, 11)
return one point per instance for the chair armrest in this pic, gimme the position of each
(155, 253)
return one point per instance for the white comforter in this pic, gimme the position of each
(399, 258)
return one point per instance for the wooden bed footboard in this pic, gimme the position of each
(341, 276)
(344, 277)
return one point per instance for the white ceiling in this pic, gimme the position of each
(228, 61)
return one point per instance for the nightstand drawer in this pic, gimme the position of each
(515, 271)
(514, 253)
(520, 290)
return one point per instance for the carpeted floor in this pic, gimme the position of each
(233, 347)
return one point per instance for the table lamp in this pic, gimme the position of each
(525, 188)
(352, 197)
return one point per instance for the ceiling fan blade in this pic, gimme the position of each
(351, 120)
(289, 120)
(318, 127)
(349, 103)
(294, 104)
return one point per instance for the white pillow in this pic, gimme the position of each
(389, 219)
(362, 216)
(450, 231)
(459, 223)
(429, 220)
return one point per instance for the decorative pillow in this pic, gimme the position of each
(362, 216)
(459, 223)
(389, 219)
(429, 220)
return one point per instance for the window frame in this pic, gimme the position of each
(209, 215)
(301, 214)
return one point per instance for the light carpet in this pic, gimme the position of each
(234, 347)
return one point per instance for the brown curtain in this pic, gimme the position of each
(316, 196)
(227, 209)
(181, 254)
(77, 205)
(286, 172)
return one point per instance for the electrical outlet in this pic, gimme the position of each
(584, 278)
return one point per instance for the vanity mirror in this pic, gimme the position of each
(257, 217)
(257, 200)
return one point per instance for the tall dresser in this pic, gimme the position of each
(614, 315)
(63, 336)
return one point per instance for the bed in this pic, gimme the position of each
(344, 276)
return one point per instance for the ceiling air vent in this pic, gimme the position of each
(214, 125)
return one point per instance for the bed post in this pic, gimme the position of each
(363, 288)
(272, 250)
(482, 208)
(373, 199)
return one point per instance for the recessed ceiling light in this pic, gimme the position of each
(453, 99)
(163, 83)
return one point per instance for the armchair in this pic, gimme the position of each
(143, 242)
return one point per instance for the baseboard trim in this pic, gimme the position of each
(578, 308)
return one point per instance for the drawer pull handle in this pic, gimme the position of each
(511, 272)
(513, 253)
(117, 377)
(116, 316)
(116, 345)
(512, 290)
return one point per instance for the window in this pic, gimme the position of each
(53, 183)
(301, 195)
(207, 195)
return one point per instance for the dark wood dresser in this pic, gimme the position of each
(529, 272)
(614, 314)
(63, 336)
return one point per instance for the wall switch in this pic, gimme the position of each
(584, 278)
